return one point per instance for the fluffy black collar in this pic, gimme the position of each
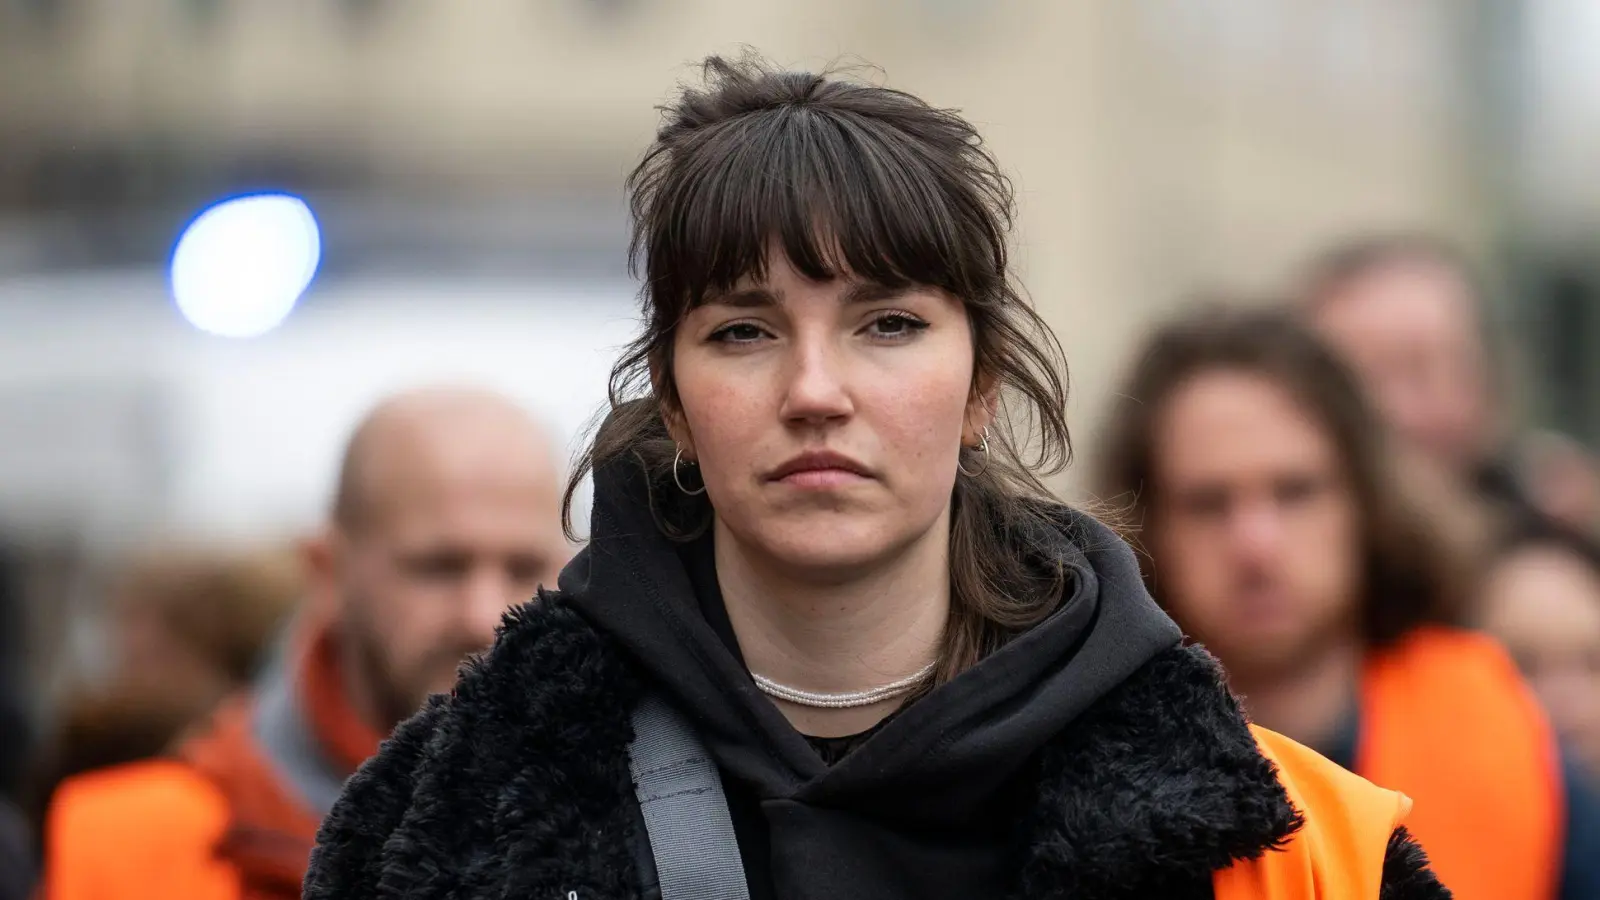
(518, 785)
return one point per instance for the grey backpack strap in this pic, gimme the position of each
(685, 811)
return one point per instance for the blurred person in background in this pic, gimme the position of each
(1563, 479)
(1275, 535)
(185, 627)
(447, 513)
(831, 636)
(199, 616)
(1543, 602)
(1408, 314)
(1405, 313)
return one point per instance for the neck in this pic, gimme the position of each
(1307, 701)
(846, 634)
(360, 691)
(340, 712)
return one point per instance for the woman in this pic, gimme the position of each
(1541, 598)
(831, 637)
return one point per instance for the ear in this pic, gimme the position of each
(322, 557)
(981, 409)
(677, 428)
(671, 412)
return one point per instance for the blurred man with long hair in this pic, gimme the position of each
(1275, 535)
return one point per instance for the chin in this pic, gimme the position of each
(823, 558)
(443, 684)
(1267, 653)
(837, 547)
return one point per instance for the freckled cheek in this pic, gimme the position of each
(920, 427)
(725, 418)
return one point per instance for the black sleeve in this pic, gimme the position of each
(345, 865)
(1406, 875)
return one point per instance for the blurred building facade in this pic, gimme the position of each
(467, 161)
(1158, 145)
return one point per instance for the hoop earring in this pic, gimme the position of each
(677, 459)
(983, 447)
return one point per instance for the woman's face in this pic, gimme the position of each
(826, 417)
(1543, 603)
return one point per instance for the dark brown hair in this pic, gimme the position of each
(1409, 575)
(225, 604)
(846, 176)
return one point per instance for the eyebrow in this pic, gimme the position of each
(762, 297)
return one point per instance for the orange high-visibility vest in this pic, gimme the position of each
(1446, 718)
(216, 820)
(1338, 852)
(141, 830)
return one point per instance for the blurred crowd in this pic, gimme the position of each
(1331, 491)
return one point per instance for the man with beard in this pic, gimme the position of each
(1275, 535)
(447, 513)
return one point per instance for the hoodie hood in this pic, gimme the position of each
(947, 765)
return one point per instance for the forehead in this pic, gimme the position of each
(1227, 425)
(1414, 301)
(474, 492)
(1540, 593)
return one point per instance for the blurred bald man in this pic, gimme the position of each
(447, 513)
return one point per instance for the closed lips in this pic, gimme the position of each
(819, 461)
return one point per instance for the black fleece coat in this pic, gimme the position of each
(517, 786)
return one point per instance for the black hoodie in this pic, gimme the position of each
(931, 803)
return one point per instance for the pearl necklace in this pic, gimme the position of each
(845, 700)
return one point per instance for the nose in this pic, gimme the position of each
(1257, 529)
(816, 388)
